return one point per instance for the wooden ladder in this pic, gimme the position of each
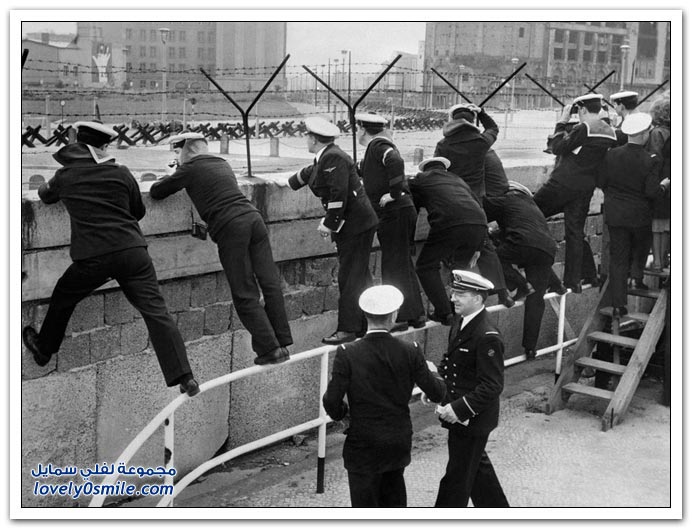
(629, 375)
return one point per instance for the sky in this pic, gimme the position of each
(368, 41)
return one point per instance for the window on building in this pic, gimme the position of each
(521, 33)
(153, 35)
(573, 37)
(142, 66)
(183, 36)
(171, 53)
(128, 66)
(211, 37)
(152, 66)
(75, 71)
(181, 53)
(588, 56)
(142, 51)
(152, 52)
(588, 39)
(128, 33)
(559, 35)
(153, 84)
(143, 83)
(601, 57)
(210, 53)
(200, 37)
(142, 34)
(558, 54)
(200, 53)
(182, 66)
(66, 70)
(171, 36)
(572, 54)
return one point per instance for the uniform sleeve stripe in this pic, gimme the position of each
(302, 182)
(335, 205)
(469, 407)
(384, 156)
(492, 332)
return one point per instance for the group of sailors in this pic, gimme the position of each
(462, 187)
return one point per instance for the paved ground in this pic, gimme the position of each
(562, 460)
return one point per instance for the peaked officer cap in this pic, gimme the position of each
(381, 300)
(623, 95)
(94, 133)
(321, 127)
(636, 123)
(462, 280)
(588, 97)
(179, 139)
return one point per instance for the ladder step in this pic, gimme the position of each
(640, 317)
(657, 273)
(601, 365)
(613, 339)
(649, 293)
(591, 391)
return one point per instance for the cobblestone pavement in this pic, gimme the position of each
(561, 460)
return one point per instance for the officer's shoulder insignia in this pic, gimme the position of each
(329, 170)
(491, 352)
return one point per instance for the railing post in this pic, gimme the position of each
(169, 445)
(560, 336)
(322, 429)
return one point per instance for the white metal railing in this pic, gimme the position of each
(167, 415)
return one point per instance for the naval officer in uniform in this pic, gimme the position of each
(349, 221)
(473, 368)
(377, 375)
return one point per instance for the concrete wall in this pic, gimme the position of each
(104, 385)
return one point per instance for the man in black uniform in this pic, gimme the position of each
(458, 226)
(349, 220)
(630, 182)
(377, 375)
(572, 182)
(494, 176)
(467, 148)
(526, 242)
(242, 239)
(473, 369)
(104, 204)
(382, 170)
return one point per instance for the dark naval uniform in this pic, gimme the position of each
(243, 246)
(377, 374)
(473, 369)
(495, 178)
(466, 147)
(526, 242)
(630, 182)
(570, 188)
(334, 180)
(104, 203)
(457, 228)
(382, 170)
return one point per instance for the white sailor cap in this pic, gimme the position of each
(369, 119)
(463, 280)
(623, 95)
(468, 107)
(179, 139)
(516, 186)
(636, 123)
(321, 127)
(381, 300)
(440, 159)
(96, 130)
(587, 97)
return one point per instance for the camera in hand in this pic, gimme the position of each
(199, 231)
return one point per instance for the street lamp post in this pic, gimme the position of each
(624, 50)
(515, 61)
(62, 108)
(336, 82)
(461, 81)
(344, 52)
(164, 38)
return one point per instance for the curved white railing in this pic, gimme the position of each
(166, 416)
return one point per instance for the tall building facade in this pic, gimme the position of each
(560, 55)
(241, 56)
